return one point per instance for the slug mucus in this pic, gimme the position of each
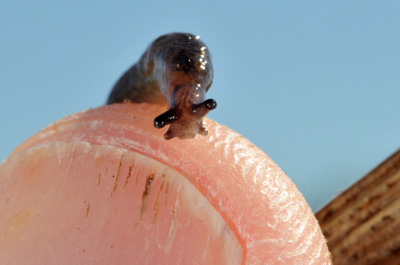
(175, 70)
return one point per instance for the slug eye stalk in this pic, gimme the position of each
(185, 124)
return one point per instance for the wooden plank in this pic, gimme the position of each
(362, 225)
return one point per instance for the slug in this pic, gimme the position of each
(176, 71)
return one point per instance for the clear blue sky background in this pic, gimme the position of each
(314, 84)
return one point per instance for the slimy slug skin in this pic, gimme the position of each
(176, 71)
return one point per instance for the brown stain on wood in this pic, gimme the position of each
(362, 224)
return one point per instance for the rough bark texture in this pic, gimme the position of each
(362, 225)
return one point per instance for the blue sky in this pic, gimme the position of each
(315, 85)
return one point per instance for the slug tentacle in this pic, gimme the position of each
(166, 118)
(176, 70)
(200, 110)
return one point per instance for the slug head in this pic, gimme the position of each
(186, 120)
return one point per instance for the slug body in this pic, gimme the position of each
(175, 70)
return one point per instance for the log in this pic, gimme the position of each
(362, 225)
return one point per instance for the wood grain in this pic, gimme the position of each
(362, 225)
